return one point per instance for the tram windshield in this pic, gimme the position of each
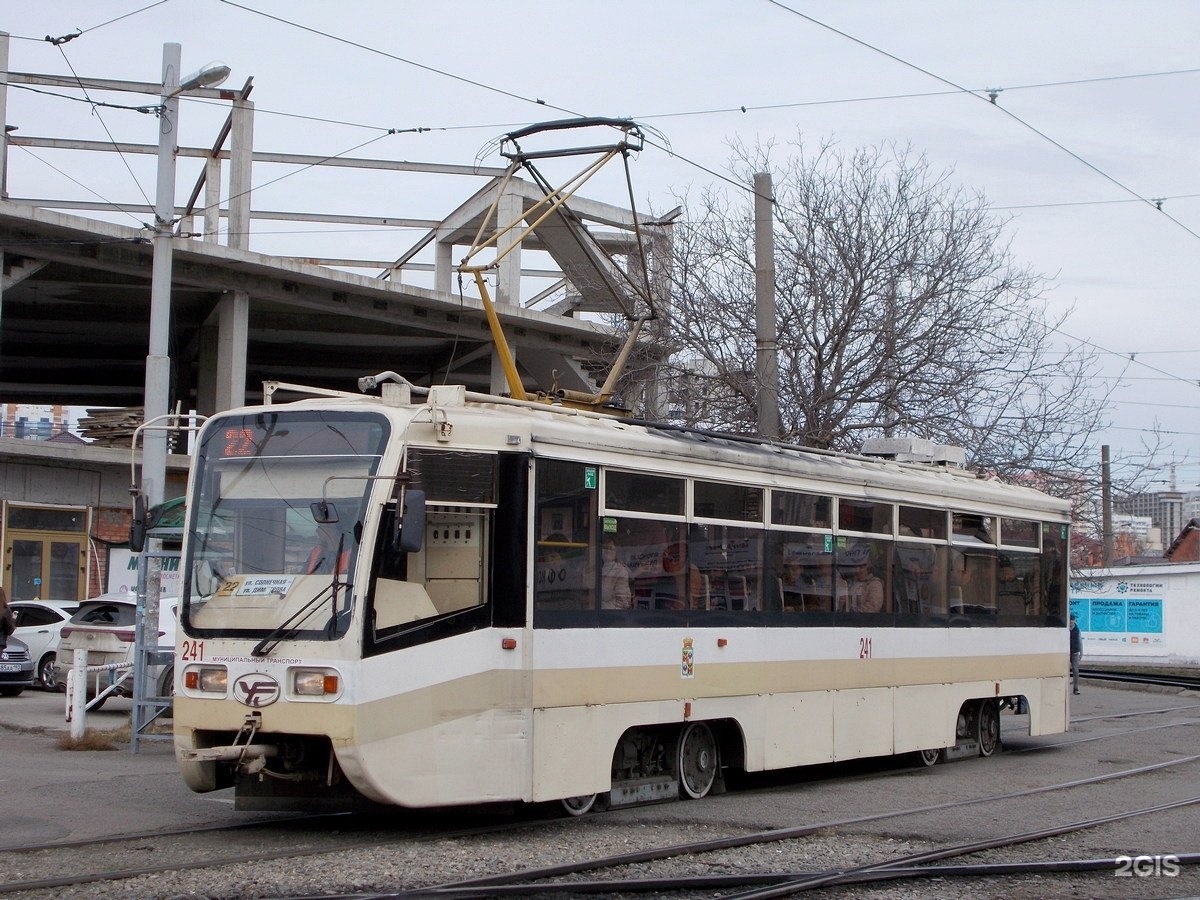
(275, 523)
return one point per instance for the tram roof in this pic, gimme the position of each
(488, 422)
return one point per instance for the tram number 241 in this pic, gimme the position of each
(864, 648)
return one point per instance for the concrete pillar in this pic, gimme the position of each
(233, 327)
(233, 309)
(443, 267)
(212, 199)
(4, 114)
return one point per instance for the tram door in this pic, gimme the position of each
(45, 553)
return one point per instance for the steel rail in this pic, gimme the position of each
(1136, 712)
(421, 836)
(762, 837)
(1179, 681)
(1054, 745)
(690, 884)
(126, 836)
(847, 876)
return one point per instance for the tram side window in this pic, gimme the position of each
(725, 570)
(920, 566)
(865, 568)
(566, 545)
(736, 502)
(973, 582)
(1019, 533)
(1054, 572)
(636, 492)
(450, 572)
(1018, 588)
(969, 528)
(801, 510)
(808, 582)
(864, 515)
(447, 575)
(917, 521)
(654, 556)
(451, 476)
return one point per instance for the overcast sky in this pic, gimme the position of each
(1066, 161)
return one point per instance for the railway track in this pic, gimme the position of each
(184, 854)
(1185, 682)
(537, 880)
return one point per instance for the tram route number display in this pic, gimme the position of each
(257, 586)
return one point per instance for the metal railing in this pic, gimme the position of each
(77, 688)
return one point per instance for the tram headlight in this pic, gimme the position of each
(315, 682)
(208, 679)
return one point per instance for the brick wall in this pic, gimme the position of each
(110, 525)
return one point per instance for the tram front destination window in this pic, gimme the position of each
(258, 552)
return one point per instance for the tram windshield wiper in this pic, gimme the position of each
(286, 629)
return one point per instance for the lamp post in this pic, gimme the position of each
(158, 359)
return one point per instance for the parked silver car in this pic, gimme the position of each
(16, 668)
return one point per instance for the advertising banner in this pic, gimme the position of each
(1120, 616)
(123, 573)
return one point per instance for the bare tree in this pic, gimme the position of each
(900, 312)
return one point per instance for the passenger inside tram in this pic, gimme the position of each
(864, 591)
(615, 592)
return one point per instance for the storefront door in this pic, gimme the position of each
(45, 553)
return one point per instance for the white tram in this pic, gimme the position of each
(569, 606)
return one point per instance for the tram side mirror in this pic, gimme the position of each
(323, 512)
(410, 535)
(137, 526)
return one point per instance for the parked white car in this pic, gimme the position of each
(39, 625)
(104, 627)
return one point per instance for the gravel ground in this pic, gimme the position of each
(410, 864)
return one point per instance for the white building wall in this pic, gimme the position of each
(1145, 614)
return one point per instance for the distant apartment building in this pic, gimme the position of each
(1191, 505)
(1163, 508)
(38, 423)
(1143, 536)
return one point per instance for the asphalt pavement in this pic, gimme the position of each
(51, 794)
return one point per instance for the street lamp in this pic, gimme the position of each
(158, 361)
(208, 76)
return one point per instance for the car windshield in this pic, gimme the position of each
(275, 520)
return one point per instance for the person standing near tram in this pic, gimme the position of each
(1076, 654)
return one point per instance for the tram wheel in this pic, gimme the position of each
(930, 757)
(696, 760)
(577, 806)
(989, 727)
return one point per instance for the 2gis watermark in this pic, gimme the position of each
(1145, 866)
